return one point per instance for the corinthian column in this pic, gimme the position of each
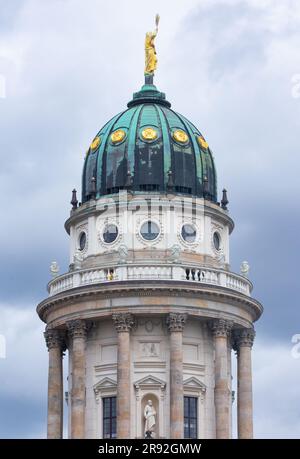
(243, 340)
(77, 331)
(175, 323)
(221, 331)
(123, 323)
(56, 345)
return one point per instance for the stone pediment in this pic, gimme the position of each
(104, 384)
(150, 382)
(194, 384)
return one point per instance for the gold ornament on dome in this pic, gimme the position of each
(202, 142)
(118, 136)
(180, 136)
(95, 144)
(149, 134)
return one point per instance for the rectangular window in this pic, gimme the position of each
(190, 417)
(109, 417)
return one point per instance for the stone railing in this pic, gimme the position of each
(203, 275)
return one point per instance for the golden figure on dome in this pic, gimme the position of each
(150, 52)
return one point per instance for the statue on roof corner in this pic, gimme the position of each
(150, 52)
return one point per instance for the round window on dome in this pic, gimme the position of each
(217, 240)
(149, 231)
(82, 240)
(188, 233)
(110, 233)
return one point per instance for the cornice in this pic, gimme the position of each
(121, 289)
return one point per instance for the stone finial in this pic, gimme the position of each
(224, 201)
(55, 338)
(243, 337)
(74, 201)
(54, 269)
(77, 328)
(176, 321)
(221, 327)
(245, 268)
(123, 321)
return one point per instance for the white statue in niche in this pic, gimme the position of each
(149, 414)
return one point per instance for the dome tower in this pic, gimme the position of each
(149, 310)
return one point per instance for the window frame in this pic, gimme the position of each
(111, 417)
(189, 417)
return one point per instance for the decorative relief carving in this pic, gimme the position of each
(221, 327)
(243, 337)
(174, 255)
(123, 321)
(150, 349)
(55, 338)
(123, 253)
(78, 328)
(176, 321)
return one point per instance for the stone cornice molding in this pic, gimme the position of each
(77, 328)
(243, 337)
(55, 338)
(176, 321)
(221, 327)
(123, 321)
(148, 289)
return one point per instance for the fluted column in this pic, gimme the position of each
(123, 323)
(77, 331)
(221, 331)
(243, 342)
(56, 345)
(175, 323)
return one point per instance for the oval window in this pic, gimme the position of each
(149, 231)
(82, 241)
(110, 233)
(188, 233)
(217, 241)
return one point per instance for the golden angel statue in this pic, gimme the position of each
(150, 52)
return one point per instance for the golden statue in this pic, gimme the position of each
(150, 53)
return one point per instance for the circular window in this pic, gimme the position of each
(149, 231)
(110, 233)
(217, 241)
(82, 241)
(188, 233)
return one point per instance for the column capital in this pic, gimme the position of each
(55, 338)
(243, 337)
(77, 328)
(123, 321)
(221, 327)
(176, 321)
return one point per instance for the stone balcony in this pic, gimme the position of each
(135, 272)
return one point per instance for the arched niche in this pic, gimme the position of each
(155, 402)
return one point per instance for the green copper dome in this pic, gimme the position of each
(149, 148)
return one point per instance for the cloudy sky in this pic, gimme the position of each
(233, 68)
